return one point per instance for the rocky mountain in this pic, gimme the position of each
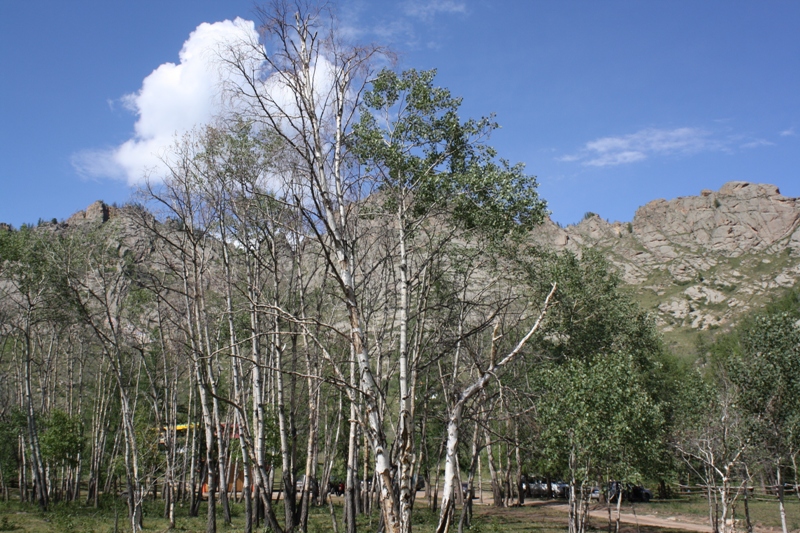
(698, 262)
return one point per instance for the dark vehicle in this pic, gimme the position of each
(638, 493)
(628, 492)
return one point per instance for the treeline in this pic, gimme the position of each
(335, 285)
(150, 357)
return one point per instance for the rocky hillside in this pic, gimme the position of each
(698, 262)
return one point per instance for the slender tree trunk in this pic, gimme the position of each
(711, 507)
(405, 437)
(781, 505)
(331, 447)
(497, 491)
(247, 486)
(194, 465)
(211, 468)
(314, 385)
(241, 423)
(287, 478)
(135, 495)
(35, 454)
(466, 510)
(573, 514)
(263, 472)
(23, 470)
(747, 501)
(448, 492)
(518, 460)
(350, 494)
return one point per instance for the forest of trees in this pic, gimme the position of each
(335, 284)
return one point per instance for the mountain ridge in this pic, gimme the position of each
(697, 262)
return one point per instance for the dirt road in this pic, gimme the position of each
(650, 520)
(645, 520)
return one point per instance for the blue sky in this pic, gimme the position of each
(611, 104)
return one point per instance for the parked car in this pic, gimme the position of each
(628, 492)
(559, 489)
(313, 485)
(637, 493)
(539, 489)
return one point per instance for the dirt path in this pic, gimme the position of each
(645, 520)
(650, 520)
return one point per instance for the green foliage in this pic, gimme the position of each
(62, 439)
(789, 303)
(31, 261)
(594, 318)
(9, 431)
(766, 370)
(598, 410)
(412, 140)
(593, 314)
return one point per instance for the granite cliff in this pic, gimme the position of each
(698, 262)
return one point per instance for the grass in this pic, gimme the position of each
(753, 270)
(542, 518)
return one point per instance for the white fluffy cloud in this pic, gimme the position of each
(610, 151)
(173, 99)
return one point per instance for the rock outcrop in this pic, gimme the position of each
(698, 261)
(97, 212)
(740, 218)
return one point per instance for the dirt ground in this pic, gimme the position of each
(670, 522)
(599, 517)
(599, 513)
